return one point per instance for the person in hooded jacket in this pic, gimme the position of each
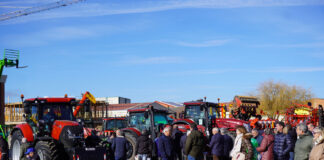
(195, 144)
(317, 152)
(266, 146)
(242, 143)
(144, 145)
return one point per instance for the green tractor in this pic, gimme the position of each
(10, 59)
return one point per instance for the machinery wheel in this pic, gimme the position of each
(15, 144)
(131, 139)
(48, 150)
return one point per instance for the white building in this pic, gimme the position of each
(114, 100)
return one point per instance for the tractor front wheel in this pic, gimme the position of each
(48, 150)
(131, 140)
(15, 144)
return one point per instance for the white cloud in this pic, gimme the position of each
(151, 60)
(88, 9)
(63, 33)
(211, 43)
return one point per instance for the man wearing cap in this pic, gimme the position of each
(30, 154)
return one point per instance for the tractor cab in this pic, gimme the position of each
(41, 113)
(148, 118)
(151, 118)
(206, 115)
(113, 123)
(200, 112)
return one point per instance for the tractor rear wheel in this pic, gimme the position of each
(131, 140)
(15, 144)
(48, 150)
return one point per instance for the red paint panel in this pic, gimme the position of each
(192, 103)
(134, 130)
(137, 110)
(27, 131)
(52, 100)
(59, 125)
(186, 120)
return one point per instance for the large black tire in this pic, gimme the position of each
(15, 144)
(48, 150)
(131, 139)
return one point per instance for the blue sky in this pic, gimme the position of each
(170, 50)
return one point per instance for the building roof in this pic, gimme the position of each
(127, 106)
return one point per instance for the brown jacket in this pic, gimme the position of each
(317, 152)
(247, 146)
(266, 147)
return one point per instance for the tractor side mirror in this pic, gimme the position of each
(80, 121)
(146, 115)
(26, 110)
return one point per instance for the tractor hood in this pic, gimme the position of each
(59, 125)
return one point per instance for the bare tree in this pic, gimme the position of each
(277, 96)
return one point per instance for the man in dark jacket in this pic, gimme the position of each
(120, 146)
(228, 144)
(4, 148)
(183, 144)
(217, 144)
(144, 145)
(304, 143)
(165, 145)
(176, 137)
(282, 143)
(195, 144)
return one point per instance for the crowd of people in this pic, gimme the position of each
(304, 142)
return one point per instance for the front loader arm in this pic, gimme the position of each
(86, 95)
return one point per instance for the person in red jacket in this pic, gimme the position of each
(266, 147)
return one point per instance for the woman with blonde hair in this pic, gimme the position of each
(242, 144)
(317, 152)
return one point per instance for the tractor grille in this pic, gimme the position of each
(71, 136)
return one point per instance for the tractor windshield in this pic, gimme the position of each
(114, 124)
(160, 118)
(52, 112)
(138, 120)
(197, 113)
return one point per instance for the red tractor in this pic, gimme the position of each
(150, 118)
(111, 124)
(206, 115)
(52, 129)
